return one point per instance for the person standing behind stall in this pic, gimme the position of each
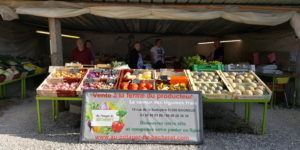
(82, 54)
(135, 57)
(219, 52)
(89, 44)
(158, 55)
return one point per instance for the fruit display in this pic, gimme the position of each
(246, 84)
(103, 74)
(137, 85)
(69, 73)
(167, 86)
(57, 88)
(214, 85)
(98, 85)
(61, 86)
(137, 74)
(210, 84)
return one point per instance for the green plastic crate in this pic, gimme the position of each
(208, 67)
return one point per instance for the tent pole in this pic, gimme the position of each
(297, 85)
(55, 42)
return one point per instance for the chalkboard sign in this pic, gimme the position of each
(135, 72)
(106, 72)
(110, 80)
(75, 70)
(89, 81)
(98, 70)
(115, 72)
(136, 81)
(164, 77)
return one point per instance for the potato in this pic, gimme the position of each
(253, 84)
(232, 73)
(238, 80)
(240, 77)
(233, 85)
(251, 76)
(200, 80)
(251, 88)
(229, 80)
(258, 92)
(210, 77)
(220, 88)
(247, 80)
(212, 88)
(208, 80)
(241, 88)
(218, 92)
(215, 80)
(204, 88)
(247, 92)
(205, 74)
(238, 92)
(225, 74)
(232, 77)
(260, 88)
(212, 74)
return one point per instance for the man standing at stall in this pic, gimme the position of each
(158, 55)
(82, 54)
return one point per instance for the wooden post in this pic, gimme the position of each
(297, 86)
(55, 42)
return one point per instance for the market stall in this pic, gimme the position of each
(216, 86)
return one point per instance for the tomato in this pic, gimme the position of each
(149, 86)
(117, 126)
(142, 84)
(133, 86)
(143, 88)
(124, 85)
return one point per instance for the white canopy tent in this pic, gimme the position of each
(54, 10)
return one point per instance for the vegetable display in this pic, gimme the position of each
(244, 83)
(61, 86)
(69, 74)
(208, 83)
(188, 62)
(98, 85)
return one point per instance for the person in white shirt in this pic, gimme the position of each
(158, 55)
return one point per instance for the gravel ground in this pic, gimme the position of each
(223, 129)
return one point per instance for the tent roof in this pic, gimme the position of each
(205, 2)
(215, 27)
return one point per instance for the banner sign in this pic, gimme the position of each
(115, 116)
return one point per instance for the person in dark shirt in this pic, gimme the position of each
(89, 45)
(219, 51)
(135, 57)
(82, 54)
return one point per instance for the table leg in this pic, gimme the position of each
(4, 91)
(249, 113)
(234, 106)
(246, 112)
(273, 93)
(56, 109)
(263, 130)
(1, 92)
(23, 85)
(39, 116)
(53, 110)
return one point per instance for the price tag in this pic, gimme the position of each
(89, 81)
(136, 81)
(116, 72)
(75, 70)
(106, 72)
(164, 77)
(111, 81)
(135, 72)
(199, 73)
(98, 70)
